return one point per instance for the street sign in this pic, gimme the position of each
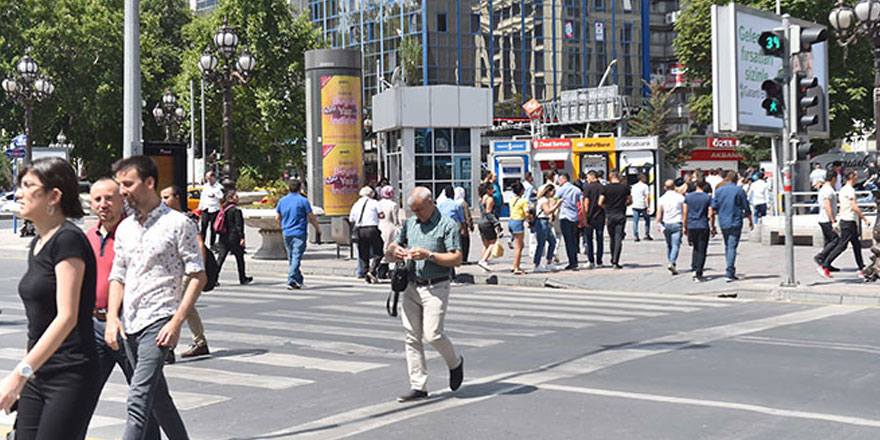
(19, 142)
(15, 154)
(740, 68)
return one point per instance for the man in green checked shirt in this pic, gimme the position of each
(431, 244)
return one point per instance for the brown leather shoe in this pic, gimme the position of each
(196, 350)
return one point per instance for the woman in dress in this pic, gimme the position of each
(488, 225)
(56, 384)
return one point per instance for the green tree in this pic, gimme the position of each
(849, 86)
(269, 113)
(652, 120)
(411, 56)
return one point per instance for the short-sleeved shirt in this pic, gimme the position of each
(294, 210)
(672, 203)
(847, 198)
(826, 193)
(731, 204)
(102, 248)
(518, 208)
(439, 234)
(817, 177)
(571, 198)
(210, 197)
(698, 210)
(616, 195)
(152, 258)
(592, 192)
(38, 293)
(449, 208)
(499, 200)
(365, 212)
(639, 193)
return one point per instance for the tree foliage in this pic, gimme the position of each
(652, 120)
(849, 85)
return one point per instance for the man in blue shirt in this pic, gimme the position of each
(731, 204)
(293, 211)
(569, 217)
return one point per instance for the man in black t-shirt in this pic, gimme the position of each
(595, 217)
(614, 199)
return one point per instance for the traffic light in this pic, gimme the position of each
(803, 39)
(772, 43)
(773, 103)
(803, 102)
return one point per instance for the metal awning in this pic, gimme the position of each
(551, 156)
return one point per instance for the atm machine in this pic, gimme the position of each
(640, 156)
(510, 160)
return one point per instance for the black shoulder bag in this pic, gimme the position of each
(354, 227)
(400, 277)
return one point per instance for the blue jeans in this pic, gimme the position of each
(108, 358)
(731, 241)
(644, 214)
(569, 234)
(595, 228)
(544, 235)
(296, 247)
(148, 393)
(672, 232)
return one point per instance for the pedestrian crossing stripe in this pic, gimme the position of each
(604, 310)
(297, 361)
(230, 378)
(461, 317)
(579, 301)
(263, 340)
(184, 401)
(340, 331)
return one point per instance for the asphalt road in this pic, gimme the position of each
(326, 363)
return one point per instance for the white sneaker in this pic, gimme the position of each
(553, 267)
(588, 265)
(484, 265)
(541, 269)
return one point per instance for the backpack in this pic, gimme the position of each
(220, 221)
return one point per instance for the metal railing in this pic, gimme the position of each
(805, 202)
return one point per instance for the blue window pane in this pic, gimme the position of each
(443, 168)
(462, 141)
(424, 168)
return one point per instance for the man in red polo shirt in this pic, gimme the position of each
(108, 204)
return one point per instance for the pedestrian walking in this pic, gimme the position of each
(56, 383)
(714, 178)
(817, 177)
(569, 217)
(669, 218)
(614, 199)
(232, 236)
(731, 204)
(171, 197)
(547, 209)
(697, 216)
(364, 217)
(155, 248)
(294, 213)
(519, 207)
(430, 243)
(209, 205)
(468, 225)
(827, 201)
(595, 215)
(641, 200)
(759, 196)
(389, 224)
(849, 217)
(489, 225)
(837, 166)
(106, 201)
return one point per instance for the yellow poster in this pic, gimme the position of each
(341, 138)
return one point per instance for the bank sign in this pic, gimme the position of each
(739, 67)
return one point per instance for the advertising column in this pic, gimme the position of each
(341, 148)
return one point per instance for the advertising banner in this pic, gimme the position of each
(341, 141)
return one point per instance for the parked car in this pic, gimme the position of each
(193, 195)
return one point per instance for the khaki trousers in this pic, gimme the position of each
(196, 328)
(424, 310)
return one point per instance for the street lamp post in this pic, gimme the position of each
(27, 87)
(861, 21)
(227, 75)
(169, 114)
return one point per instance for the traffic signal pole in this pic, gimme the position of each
(788, 157)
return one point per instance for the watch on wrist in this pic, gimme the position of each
(431, 257)
(24, 370)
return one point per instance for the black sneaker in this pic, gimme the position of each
(294, 286)
(617, 267)
(456, 375)
(247, 280)
(636, 240)
(413, 396)
(649, 238)
(833, 269)
(169, 358)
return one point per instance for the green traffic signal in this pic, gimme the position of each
(771, 43)
(773, 104)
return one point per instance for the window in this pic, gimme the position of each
(539, 29)
(475, 23)
(627, 5)
(599, 5)
(441, 22)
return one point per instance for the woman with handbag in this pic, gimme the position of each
(488, 225)
(547, 209)
(389, 225)
(232, 236)
(519, 208)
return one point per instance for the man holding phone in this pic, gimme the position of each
(433, 243)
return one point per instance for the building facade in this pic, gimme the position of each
(521, 49)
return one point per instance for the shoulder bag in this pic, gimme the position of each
(354, 227)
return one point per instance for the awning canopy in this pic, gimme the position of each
(552, 156)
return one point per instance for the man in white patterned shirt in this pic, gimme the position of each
(154, 248)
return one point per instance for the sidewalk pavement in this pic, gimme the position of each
(760, 268)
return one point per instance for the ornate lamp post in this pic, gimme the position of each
(61, 142)
(169, 114)
(227, 75)
(27, 87)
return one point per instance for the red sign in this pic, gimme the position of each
(718, 142)
(533, 108)
(716, 154)
(551, 144)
